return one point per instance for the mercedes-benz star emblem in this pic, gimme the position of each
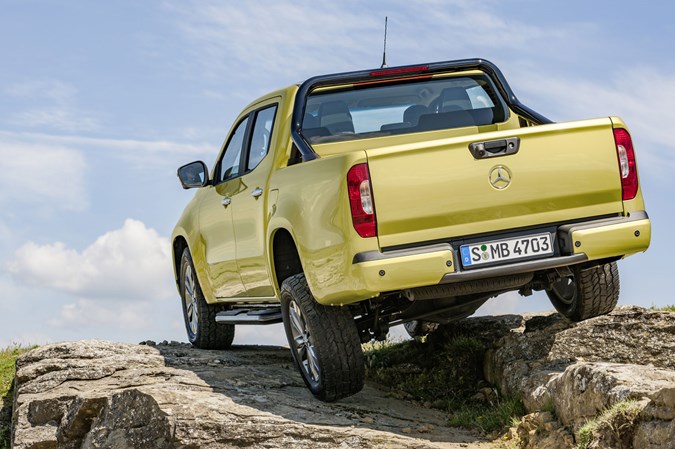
(500, 177)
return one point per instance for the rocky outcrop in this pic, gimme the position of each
(580, 370)
(95, 394)
(608, 382)
(572, 373)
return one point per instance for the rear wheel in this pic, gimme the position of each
(324, 342)
(587, 293)
(200, 317)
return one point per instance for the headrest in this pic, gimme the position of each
(454, 98)
(333, 108)
(413, 113)
(335, 116)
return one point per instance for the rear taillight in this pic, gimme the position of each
(361, 201)
(627, 167)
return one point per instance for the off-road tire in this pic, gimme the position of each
(208, 334)
(589, 292)
(332, 333)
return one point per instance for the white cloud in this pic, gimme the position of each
(54, 107)
(130, 321)
(139, 153)
(639, 96)
(281, 39)
(92, 313)
(63, 119)
(124, 145)
(25, 339)
(54, 90)
(468, 27)
(49, 175)
(128, 264)
(286, 40)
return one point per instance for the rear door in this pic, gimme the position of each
(249, 204)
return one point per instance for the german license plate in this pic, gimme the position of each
(507, 249)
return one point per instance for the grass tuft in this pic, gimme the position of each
(666, 308)
(627, 411)
(487, 417)
(8, 358)
(585, 433)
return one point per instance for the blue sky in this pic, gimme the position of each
(101, 101)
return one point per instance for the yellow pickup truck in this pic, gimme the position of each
(411, 195)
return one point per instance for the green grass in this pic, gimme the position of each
(488, 418)
(669, 308)
(627, 411)
(550, 407)
(428, 372)
(444, 372)
(585, 433)
(7, 367)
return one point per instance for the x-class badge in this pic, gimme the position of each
(500, 177)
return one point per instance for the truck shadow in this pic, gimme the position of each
(264, 378)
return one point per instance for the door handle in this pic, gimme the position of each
(226, 201)
(257, 192)
(492, 148)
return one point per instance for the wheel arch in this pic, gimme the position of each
(178, 246)
(284, 256)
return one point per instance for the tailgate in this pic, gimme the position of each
(436, 189)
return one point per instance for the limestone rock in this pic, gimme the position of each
(95, 394)
(584, 390)
(540, 430)
(582, 369)
(655, 435)
(628, 335)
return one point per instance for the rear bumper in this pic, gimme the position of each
(379, 272)
(621, 236)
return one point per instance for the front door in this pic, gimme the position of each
(215, 215)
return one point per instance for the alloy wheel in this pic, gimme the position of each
(566, 289)
(303, 344)
(190, 299)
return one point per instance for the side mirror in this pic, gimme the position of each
(193, 175)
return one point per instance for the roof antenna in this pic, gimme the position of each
(384, 52)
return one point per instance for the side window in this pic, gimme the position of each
(229, 164)
(260, 139)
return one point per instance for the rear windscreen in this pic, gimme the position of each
(400, 108)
